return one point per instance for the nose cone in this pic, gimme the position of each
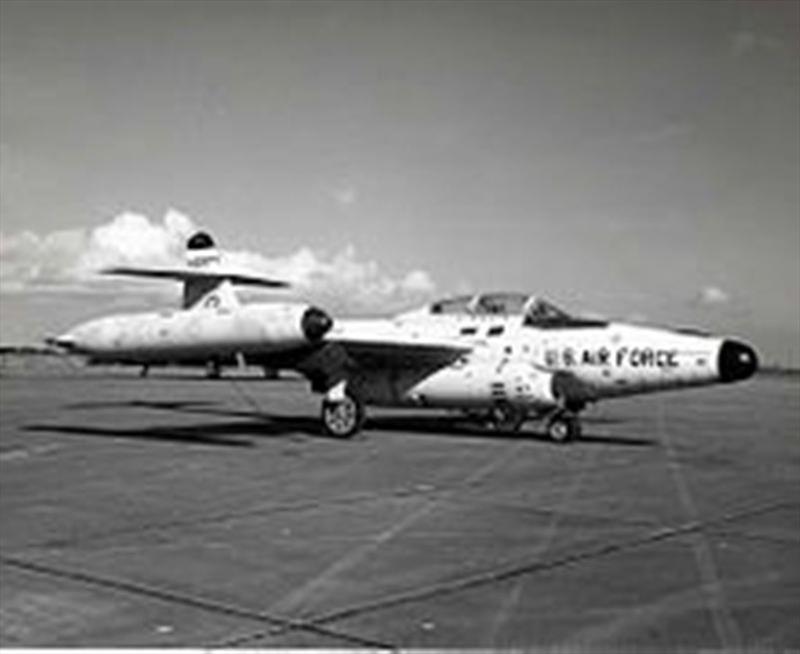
(736, 361)
(315, 323)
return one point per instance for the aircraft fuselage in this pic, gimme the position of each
(534, 367)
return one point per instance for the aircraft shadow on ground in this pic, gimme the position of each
(202, 407)
(166, 405)
(253, 425)
(447, 426)
(238, 433)
(220, 435)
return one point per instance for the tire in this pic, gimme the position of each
(342, 419)
(562, 429)
(506, 418)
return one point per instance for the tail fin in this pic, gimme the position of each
(206, 284)
(206, 292)
(201, 251)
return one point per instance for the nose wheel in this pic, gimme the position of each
(564, 427)
(342, 418)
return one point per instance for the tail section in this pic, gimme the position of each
(209, 293)
(201, 252)
(206, 292)
(206, 283)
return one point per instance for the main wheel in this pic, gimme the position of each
(342, 418)
(562, 429)
(506, 418)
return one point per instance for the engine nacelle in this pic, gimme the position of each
(571, 391)
(525, 384)
(534, 386)
(199, 335)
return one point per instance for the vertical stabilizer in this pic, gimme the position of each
(210, 292)
(201, 252)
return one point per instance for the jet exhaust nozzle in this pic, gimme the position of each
(736, 361)
(315, 323)
(65, 342)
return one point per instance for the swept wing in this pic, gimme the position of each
(380, 343)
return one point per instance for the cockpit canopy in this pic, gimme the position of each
(535, 311)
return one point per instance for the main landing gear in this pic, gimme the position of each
(213, 369)
(506, 418)
(342, 417)
(563, 426)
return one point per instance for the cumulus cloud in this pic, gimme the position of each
(345, 196)
(712, 295)
(131, 239)
(69, 260)
(744, 42)
(342, 282)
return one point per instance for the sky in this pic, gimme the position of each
(637, 160)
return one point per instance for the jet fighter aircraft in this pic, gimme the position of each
(500, 358)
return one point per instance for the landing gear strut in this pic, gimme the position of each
(342, 417)
(564, 426)
(213, 369)
(507, 418)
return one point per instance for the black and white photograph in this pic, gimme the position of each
(400, 325)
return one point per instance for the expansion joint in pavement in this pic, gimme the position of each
(193, 601)
(510, 571)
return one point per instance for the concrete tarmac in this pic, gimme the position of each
(176, 511)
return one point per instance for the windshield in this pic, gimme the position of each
(542, 312)
(488, 304)
(536, 311)
(503, 304)
(452, 305)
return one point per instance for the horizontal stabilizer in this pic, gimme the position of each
(193, 274)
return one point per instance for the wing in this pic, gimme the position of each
(373, 344)
(375, 354)
(190, 274)
(348, 354)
